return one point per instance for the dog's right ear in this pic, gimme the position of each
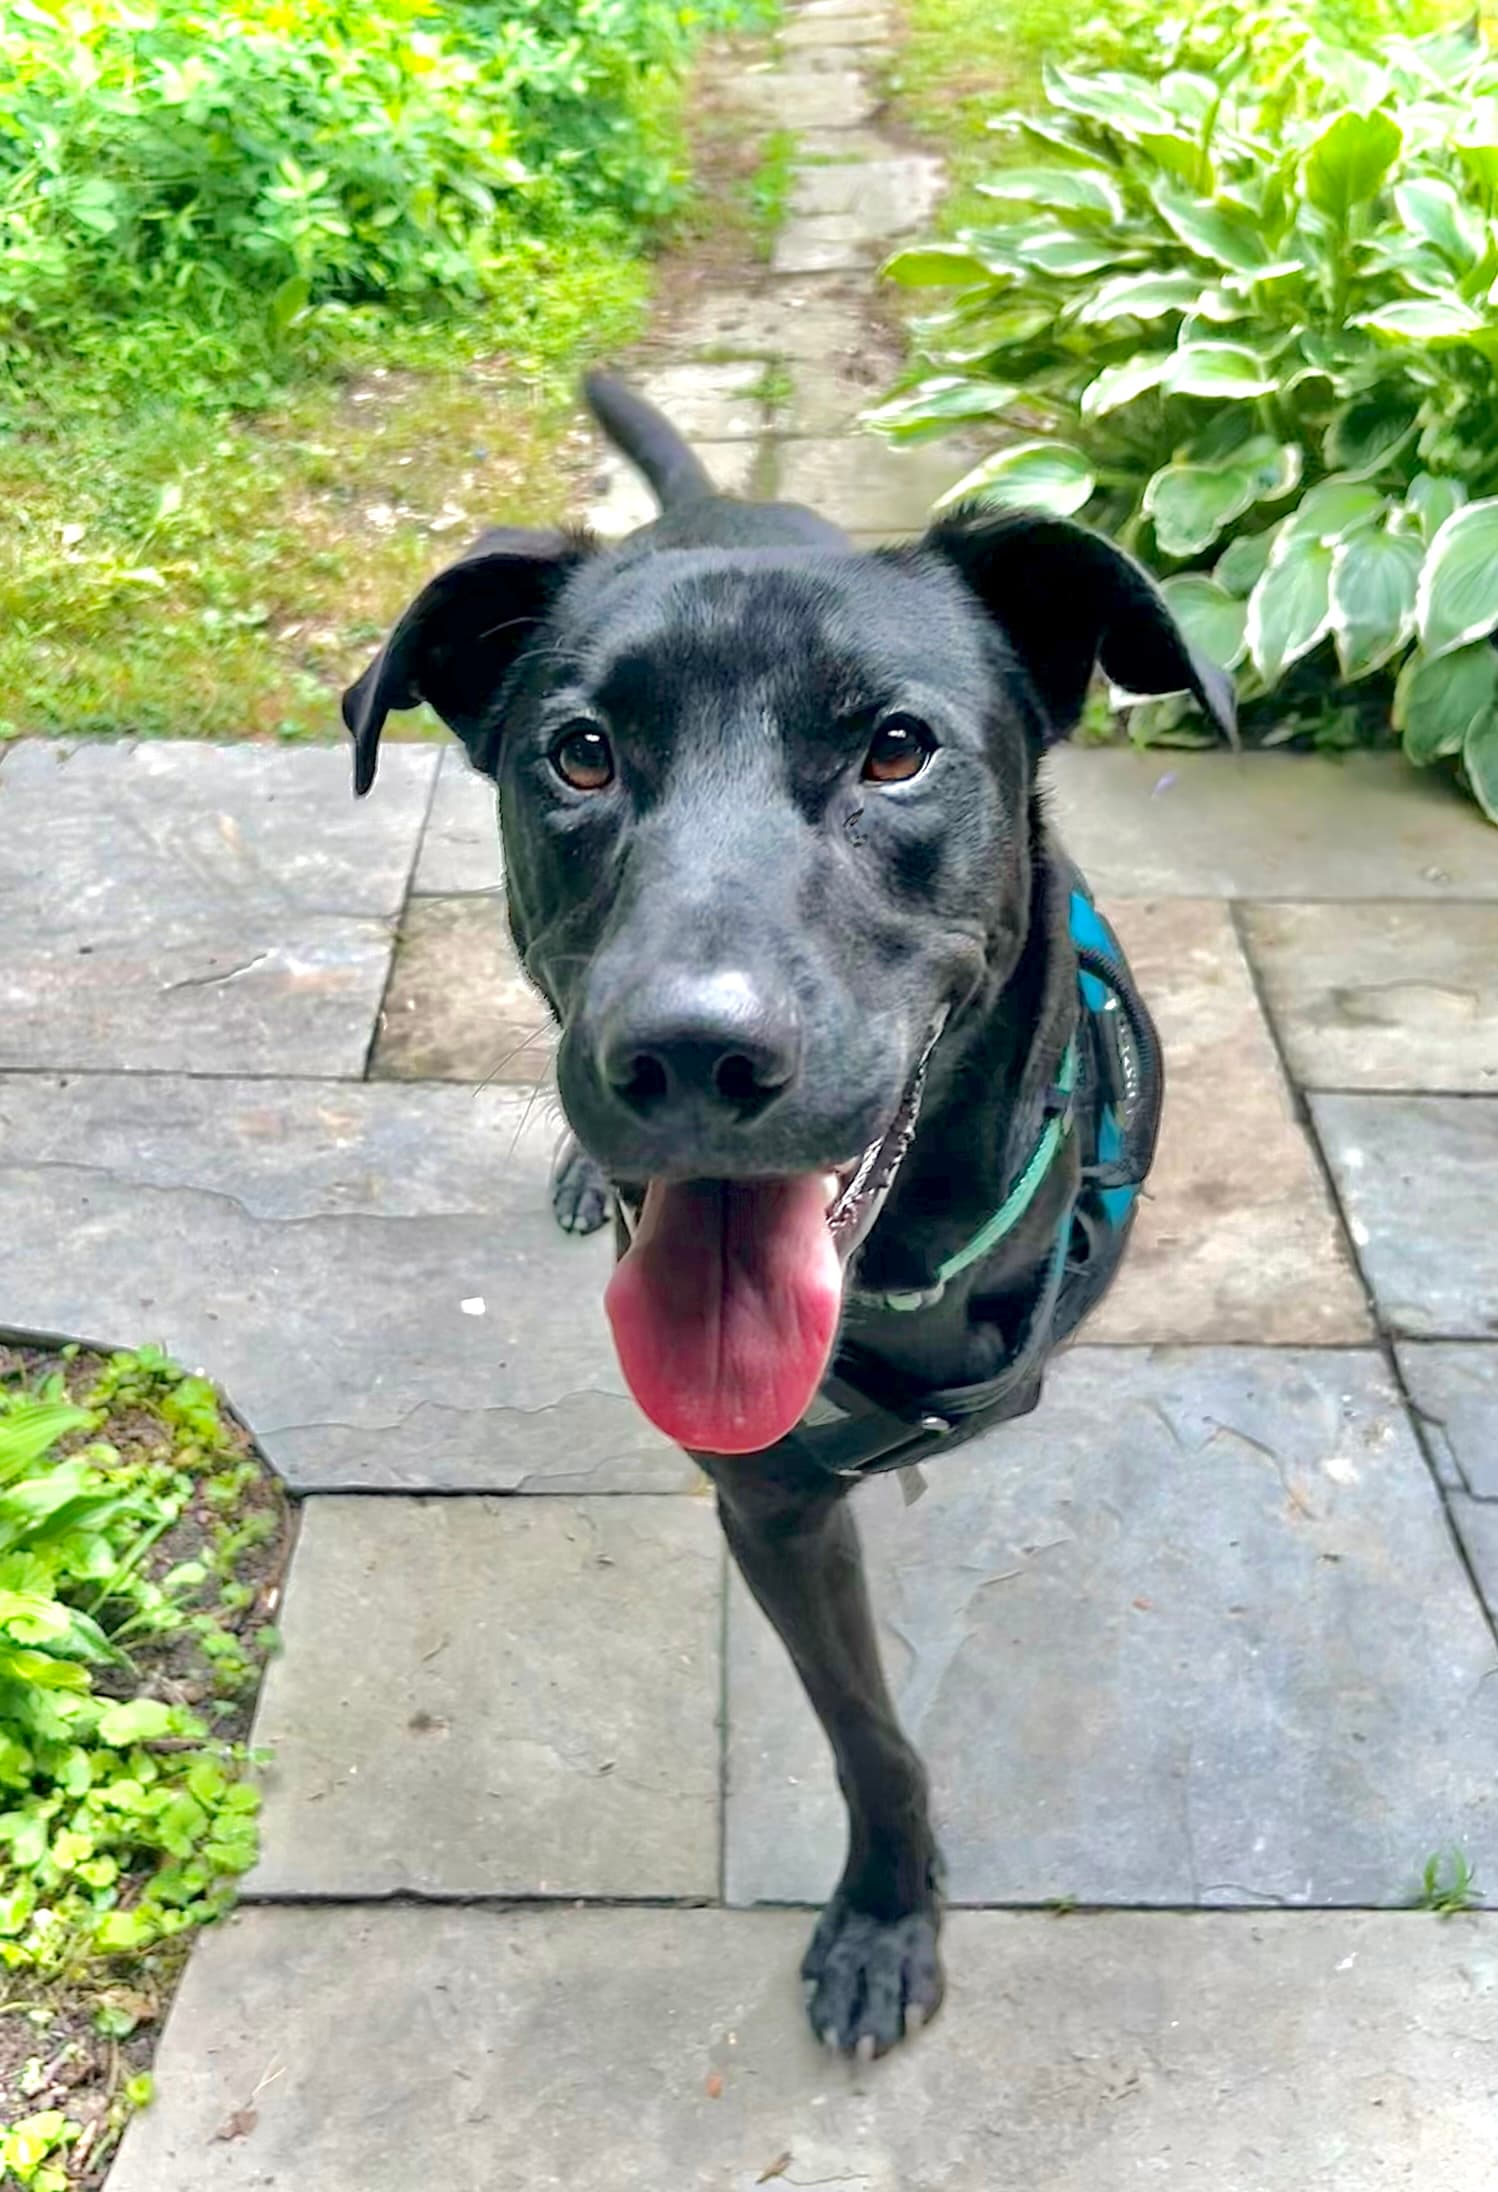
(457, 642)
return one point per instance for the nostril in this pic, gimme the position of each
(645, 1083)
(735, 1079)
(747, 1085)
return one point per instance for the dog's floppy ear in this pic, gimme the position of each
(1068, 600)
(457, 641)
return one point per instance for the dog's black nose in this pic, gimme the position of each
(724, 1043)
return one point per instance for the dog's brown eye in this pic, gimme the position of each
(583, 758)
(898, 750)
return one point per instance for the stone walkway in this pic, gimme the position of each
(1205, 1646)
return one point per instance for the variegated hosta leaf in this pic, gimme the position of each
(1459, 585)
(1437, 701)
(1036, 475)
(1289, 611)
(1374, 576)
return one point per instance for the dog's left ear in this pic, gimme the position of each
(1067, 600)
(458, 641)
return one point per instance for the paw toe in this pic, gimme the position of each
(579, 1191)
(870, 1982)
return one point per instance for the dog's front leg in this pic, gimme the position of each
(872, 1970)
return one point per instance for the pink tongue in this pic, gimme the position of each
(725, 1309)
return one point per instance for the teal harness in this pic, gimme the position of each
(1107, 1093)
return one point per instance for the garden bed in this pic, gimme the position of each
(291, 313)
(142, 1548)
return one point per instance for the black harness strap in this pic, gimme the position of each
(867, 1418)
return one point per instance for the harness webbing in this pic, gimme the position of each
(1010, 1211)
(866, 1418)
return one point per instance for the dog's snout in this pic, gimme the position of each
(724, 1043)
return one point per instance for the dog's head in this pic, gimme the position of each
(766, 817)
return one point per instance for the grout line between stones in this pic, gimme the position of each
(1383, 1336)
(418, 844)
(499, 1902)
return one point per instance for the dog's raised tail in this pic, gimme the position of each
(650, 442)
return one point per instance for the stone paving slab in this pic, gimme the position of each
(826, 147)
(496, 1697)
(862, 28)
(372, 1272)
(845, 215)
(458, 1008)
(1382, 997)
(1477, 1526)
(200, 908)
(806, 97)
(1268, 825)
(1195, 1632)
(893, 194)
(866, 485)
(820, 244)
(656, 2051)
(812, 318)
(1236, 1237)
(460, 848)
(1454, 1388)
(710, 402)
(622, 501)
(1417, 1176)
(828, 396)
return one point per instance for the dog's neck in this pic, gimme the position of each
(986, 1089)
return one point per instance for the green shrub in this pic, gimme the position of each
(1268, 41)
(257, 165)
(124, 1819)
(1252, 330)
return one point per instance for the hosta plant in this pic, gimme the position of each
(1256, 338)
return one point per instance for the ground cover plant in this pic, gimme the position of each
(142, 1545)
(287, 294)
(962, 60)
(1251, 328)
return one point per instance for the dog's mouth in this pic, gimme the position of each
(726, 1307)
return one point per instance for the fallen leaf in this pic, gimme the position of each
(715, 2085)
(239, 2125)
(777, 2168)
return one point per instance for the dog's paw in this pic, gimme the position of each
(579, 1192)
(871, 1981)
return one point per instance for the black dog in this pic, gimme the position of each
(776, 858)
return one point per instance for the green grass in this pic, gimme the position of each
(188, 567)
(964, 60)
(770, 187)
(1448, 1885)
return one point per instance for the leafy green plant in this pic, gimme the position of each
(1253, 331)
(234, 179)
(1448, 1885)
(238, 403)
(128, 1644)
(1268, 41)
(196, 201)
(105, 1788)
